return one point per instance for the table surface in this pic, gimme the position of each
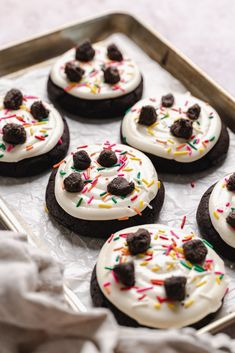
(204, 30)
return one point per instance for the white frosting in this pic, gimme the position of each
(205, 290)
(50, 130)
(92, 85)
(158, 140)
(92, 206)
(221, 202)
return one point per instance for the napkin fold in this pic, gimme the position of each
(35, 318)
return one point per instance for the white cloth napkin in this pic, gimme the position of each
(34, 317)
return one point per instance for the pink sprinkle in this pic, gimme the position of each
(84, 190)
(121, 174)
(110, 238)
(115, 277)
(134, 198)
(142, 297)
(227, 204)
(9, 148)
(60, 141)
(90, 199)
(168, 250)
(8, 117)
(173, 233)
(209, 260)
(106, 284)
(118, 151)
(219, 210)
(133, 110)
(114, 144)
(144, 289)
(30, 97)
(94, 181)
(123, 235)
(226, 292)
(121, 167)
(85, 175)
(219, 273)
(85, 146)
(186, 103)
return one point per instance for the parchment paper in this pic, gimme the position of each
(78, 254)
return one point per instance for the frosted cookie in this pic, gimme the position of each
(33, 135)
(98, 189)
(216, 216)
(95, 80)
(179, 133)
(159, 277)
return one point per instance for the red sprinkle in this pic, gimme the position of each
(142, 297)
(144, 289)
(85, 146)
(162, 300)
(134, 198)
(174, 235)
(157, 282)
(192, 184)
(183, 222)
(42, 138)
(110, 238)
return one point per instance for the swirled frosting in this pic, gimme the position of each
(42, 136)
(92, 85)
(94, 202)
(158, 140)
(146, 302)
(221, 203)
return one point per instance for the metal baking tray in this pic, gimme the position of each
(36, 50)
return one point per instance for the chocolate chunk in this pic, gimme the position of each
(39, 111)
(175, 288)
(81, 160)
(111, 75)
(168, 100)
(73, 183)
(73, 71)
(148, 115)
(182, 128)
(195, 251)
(85, 52)
(231, 218)
(193, 112)
(14, 134)
(120, 187)
(125, 273)
(114, 53)
(107, 158)
(231, 183)
(13, 99)
(139, 241)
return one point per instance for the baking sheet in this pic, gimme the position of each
(78, 254)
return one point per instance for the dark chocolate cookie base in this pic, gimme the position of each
(99, 229)
(214, 157)
(38, 164)
(99, 300)
(208, 231)
(89, 108)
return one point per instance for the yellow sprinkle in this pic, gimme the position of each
(31, 131)
(171, 306)
(141, 204)
(170, 266)
(217, 279)
(135, 159)
(150, 131)
(159, 184)
(46, 209)
(170, 141)
(145, 182)
(155, 268)
(188, 263)
(188, 303)
(168, 149)
(200, 284)
(153, 125)
(150, 184)
(161, 231)
(156, 237)
(223, 186)
(40, 123)
(215, 214)
(127, 170)
(137, 189)
(180, 153)
(180, 250)
(157, 306)
(43, 130)
(140, 256)
(23, 107)
(144, 263)
(201, 150)
(103, 205)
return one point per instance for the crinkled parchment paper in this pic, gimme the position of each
(79, 254)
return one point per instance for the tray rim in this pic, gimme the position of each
(70, 296)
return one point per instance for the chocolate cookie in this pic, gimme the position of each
(186, 137)
(105, 204)
(95, 81)
(34, 135)
(215, 216)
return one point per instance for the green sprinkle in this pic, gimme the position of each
(123, 197)
(76, 170)
(62, 172)
(108, 268)
(212, 138)
(185, 265)
(87, 181)
(116, 238)
(46, 135)
(117, 258)
(192, 146)
(124, 152)
(128, 110)
(114, 200)
(1, 155)
(232, 208)
(207, 243)
(165, 116)
(101, 168)
(199, 268)
(198, 123)
(221, 276)
(138, 175)
(79, 202)
(115, 165)
(103, 193)
(211, 116)
(124, 139)
(194, 141)
(2, 146)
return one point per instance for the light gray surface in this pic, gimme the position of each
(203, 29)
